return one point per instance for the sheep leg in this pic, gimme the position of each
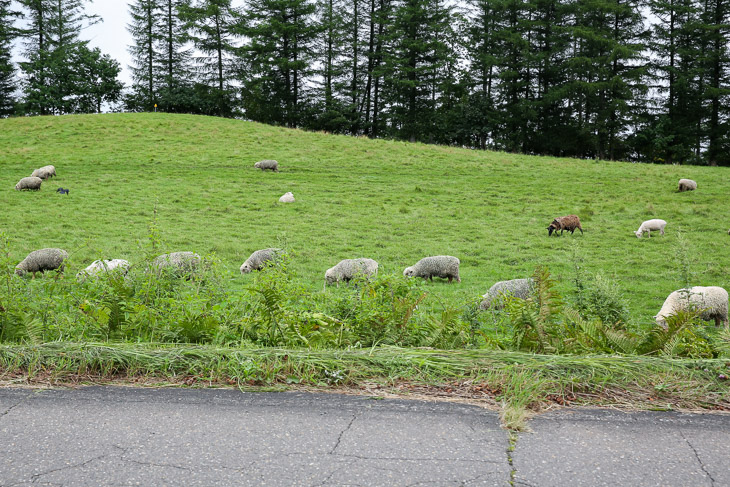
(648, 233)
(581, 230)
(450, 279)
(661, 231)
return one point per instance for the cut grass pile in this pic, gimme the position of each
(521, 382)
(391, 201)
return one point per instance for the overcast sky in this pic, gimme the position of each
(111, 34)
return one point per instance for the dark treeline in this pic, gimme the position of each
(642, 80)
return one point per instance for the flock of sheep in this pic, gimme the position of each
(712, 300)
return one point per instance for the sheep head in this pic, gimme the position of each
(329, 276)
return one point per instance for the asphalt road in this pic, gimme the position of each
(124, 436)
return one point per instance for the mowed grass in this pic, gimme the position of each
(391, 201)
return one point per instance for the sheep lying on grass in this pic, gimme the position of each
(185, 263)
(712, 300)
(45, 172)
(98, 267)
(31, 183)
(259, 259)
(519, 288)
(287, 198)
(348, 269)
(443, 266)
(267, 164)
(570, 223)
(42, 260)
(651, 225)
(686, 185)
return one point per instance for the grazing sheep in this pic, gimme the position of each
(687, 185)
(570, 222)
(347, 269)
(443, 266)
(519, 288)
(649, 225)
(287, 198)
(97, 267)
(42, 260)
(45, 172)
(32, 183)
(259, 259)
(713, 300)
(267, 164)
(187, 262)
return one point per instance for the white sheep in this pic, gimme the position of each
(31, 183)
(267, 164)
(651, 225)
(259, 259)
(287, 198)
(443, 266)
(42, 260)
(518, 288)
(98, 267)
(348, 269)
(44, 172)
(686, 185)
(711, 300)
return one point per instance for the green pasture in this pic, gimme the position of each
(391, 201)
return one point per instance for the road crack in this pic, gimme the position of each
(36, 476)
(342, 433)
(699, 460)
(511, 448)
(25, 398)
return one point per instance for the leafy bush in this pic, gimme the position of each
(278, 311)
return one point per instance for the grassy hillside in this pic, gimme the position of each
(392, 201)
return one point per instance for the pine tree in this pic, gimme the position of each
(380, 24)
(37, 54)
(7, 70)
(145, 81)
(173, 60)
(609, 69)
(415, 58)
(677, 49)
(278, 56)
(715, 26)
(480, 113)
(330, 48)
(52, 80)
(212, 26)
(513, 42)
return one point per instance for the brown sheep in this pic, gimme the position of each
(570, 222)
